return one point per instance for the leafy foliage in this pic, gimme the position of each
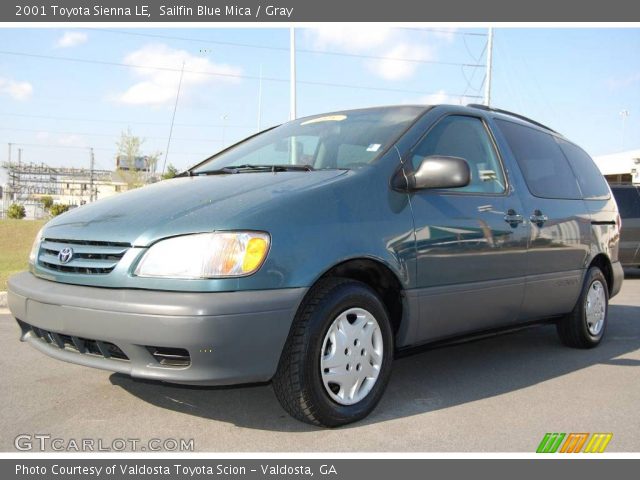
(47, 202)
(57, 209)
(170, 173)
(16, 211)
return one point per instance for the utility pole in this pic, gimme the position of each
(260, 98)
(92, 162)
(292, 80)
(487, 83)
(13, 178)
(624, 114)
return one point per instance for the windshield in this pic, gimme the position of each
(342, 140)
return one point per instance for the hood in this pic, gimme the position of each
(185, 205)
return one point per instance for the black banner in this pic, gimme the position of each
(371, 469)
(317, 11)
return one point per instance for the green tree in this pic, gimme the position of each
(47, 202)
(16, 211)
(129, 149)
(171, 172)
(57, 209)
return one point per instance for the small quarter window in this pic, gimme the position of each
(592, 183)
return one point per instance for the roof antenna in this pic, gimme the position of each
(173, 118)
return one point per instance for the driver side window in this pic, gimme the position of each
(467, 138)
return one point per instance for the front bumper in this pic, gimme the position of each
(231, 337)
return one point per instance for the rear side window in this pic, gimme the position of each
(592, 183)
(545, 168)
(628, 200)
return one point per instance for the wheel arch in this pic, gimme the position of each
(377, 275)
(603, 262)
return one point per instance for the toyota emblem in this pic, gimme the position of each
(65, 255)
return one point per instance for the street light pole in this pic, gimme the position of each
(292, 80)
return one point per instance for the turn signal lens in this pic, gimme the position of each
(254, 254)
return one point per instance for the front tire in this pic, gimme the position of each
(584, 327)
(337, 360)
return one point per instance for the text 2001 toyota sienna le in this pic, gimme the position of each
(310, 253)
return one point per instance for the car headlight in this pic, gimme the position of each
(33, 254)
(206, 255)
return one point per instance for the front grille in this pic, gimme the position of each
(81, 345)
(88, 257)
(170, 356)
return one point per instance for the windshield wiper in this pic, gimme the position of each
(257, 168)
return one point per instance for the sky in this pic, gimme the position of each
(63, 91)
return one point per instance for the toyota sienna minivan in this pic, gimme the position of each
(309, 254)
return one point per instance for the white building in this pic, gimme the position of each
(622, 167)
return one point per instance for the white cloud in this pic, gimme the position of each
(396, 46)
(395, 64)
(445, 33)
(624, 82)
(15, 89)
(350, 38)
(441, 96)
(63, 139)
(71, 39)
(159, 87)
(435, 98)
(71, 140)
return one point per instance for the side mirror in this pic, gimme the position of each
(436, 171)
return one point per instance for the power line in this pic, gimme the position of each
(101, 120)
(301, 50)
(218, 74)
(394, 59)
(79, 147)
(444, 30)
(106, 135)
(189, 39)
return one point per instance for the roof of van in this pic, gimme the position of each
(421, 108)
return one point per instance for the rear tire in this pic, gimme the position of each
(584, 327)
(337, 360)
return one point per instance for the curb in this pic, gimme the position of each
(3, 300)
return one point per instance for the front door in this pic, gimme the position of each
(470, 242)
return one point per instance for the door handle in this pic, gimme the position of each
(538, 218)
(513, 218)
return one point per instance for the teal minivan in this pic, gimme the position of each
(311, 253)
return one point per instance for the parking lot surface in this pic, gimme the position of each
(496, 394)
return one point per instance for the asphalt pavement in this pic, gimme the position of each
(498, 394)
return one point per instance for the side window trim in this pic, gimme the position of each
(406, 158)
